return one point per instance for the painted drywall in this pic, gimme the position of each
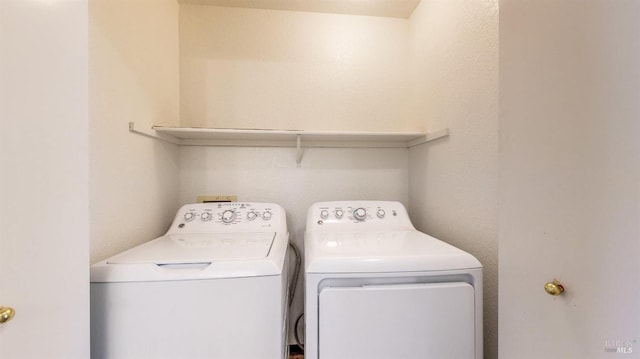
(133, 76)
(271, 175)
(44, 172)
(570, 178)
(453, 182)
(253, 68)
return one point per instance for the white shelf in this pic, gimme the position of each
(188, 136)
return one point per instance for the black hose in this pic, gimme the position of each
(296, 272)
(295, 332)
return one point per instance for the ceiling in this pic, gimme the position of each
(384, 8)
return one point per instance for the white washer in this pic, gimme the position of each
(214, 286)
(378, 288)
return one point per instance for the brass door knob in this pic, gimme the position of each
(554, 288)
(6, 314)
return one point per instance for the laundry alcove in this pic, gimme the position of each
(240, 96)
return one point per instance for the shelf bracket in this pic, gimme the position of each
(153, 134)
(298, 149)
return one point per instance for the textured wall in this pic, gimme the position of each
(133, 76)
(249, 68)
(270, 175)
(453, 182)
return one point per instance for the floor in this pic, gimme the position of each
(295, 352)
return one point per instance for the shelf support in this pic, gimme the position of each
(153, 134)
(298, 149)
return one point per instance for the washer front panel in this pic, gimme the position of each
(427, 320)
(318, 283)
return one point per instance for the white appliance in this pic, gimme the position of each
(214, 286)
(378, 288)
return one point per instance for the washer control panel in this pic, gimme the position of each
(362, 213)
(228, 217)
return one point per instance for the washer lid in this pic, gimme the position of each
(195, 257)
(198, 248)
(364, 252)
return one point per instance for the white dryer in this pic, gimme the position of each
(376, 288)
(214, 286)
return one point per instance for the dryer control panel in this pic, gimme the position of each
(360, 215)
(229, 217)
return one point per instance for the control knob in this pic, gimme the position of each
(360, 214)
(228, 216)
(189, 216)
(324, 214)
(339, 213)
(252, 215)
(205, 216)
(380, 213)
(266, 215)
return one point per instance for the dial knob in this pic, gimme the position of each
(252, 215)
(266, 215)
(360, 214)
(324, 214)
(339, 213)
(228, 216)
(380, 213)
(205, 216)
(189, 216)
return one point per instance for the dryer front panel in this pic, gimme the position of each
(424, 320)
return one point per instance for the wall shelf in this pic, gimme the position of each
(188, 136)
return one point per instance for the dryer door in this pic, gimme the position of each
(427, 320)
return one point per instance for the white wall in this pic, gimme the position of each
(44, 172)
(570, 177)
(251, 68)
(453, 182)
(271, 175)
(133, 68)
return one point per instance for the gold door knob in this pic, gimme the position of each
(6, 314)
(554, 288)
